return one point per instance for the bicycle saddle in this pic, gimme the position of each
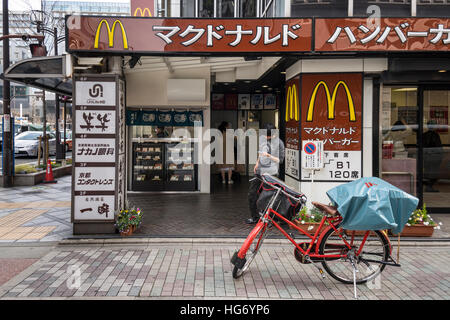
(332, 211)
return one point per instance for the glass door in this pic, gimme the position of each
(400, 151)
(436, 148)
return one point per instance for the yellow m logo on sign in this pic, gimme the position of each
(110, 34)
(292, 104)
(142, 12)
(331, 100)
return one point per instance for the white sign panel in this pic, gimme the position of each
(95, 178)
(292, 165)
(312, 154)
(95, 93)
(94, 207)
(95, 150)
(338, 166)
(96, 122)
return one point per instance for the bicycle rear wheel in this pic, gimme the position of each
(376, 249)
(256, 239)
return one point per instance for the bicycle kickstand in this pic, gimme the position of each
(355, 270)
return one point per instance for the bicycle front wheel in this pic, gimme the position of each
(375, 249)
(256, 240)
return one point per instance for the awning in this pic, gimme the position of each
(46, 73)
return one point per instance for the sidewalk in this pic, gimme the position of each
(38, 213)
(198, 270)
(42, 213)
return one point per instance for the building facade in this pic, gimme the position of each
(356, 89)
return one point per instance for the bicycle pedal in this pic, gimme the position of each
(322, 273)
(292, 235)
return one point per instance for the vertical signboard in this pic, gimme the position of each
(292, 118)
(97, 147)
(332, 112)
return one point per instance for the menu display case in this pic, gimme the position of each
(148, 166)
(163, 166)
(180, 168)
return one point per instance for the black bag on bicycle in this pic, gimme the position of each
(284, 205)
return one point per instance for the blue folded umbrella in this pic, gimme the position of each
(372, 204)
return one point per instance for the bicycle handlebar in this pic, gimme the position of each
(301, 198)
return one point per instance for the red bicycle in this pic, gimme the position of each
(347, 256)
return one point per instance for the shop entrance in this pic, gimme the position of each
(416, 143)
(171, 194)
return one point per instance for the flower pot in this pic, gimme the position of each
(308, 227)
(417, 230)
(127, 232)
(357, 232)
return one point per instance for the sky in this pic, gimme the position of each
(26, 5)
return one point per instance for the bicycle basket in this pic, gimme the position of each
(284, 205)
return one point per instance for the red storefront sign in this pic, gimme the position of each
(332, 110)
(132, 34)
(383, 34)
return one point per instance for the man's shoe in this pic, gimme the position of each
(251, 220)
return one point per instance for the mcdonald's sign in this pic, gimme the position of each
(110, 32)
(331, 100)
(141, 12)
(142, 8)
(332, 110)
(292, 103)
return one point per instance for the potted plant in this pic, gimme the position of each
(308, 221)
(123, 223)
(135, 217)
(420, 224)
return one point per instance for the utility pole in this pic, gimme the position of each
(8, 152)
(44, 128)
(59, 151)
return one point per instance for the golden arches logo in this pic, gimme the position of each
(292, 104)
(110, 34)
(142, 12)
(331, 100)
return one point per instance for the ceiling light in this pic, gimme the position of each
(283, 72)
(442, 71)
(265, 86)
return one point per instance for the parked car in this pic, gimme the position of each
(68, 146)
(17, 129)
(27, 144)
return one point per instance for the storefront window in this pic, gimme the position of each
(397, 8)
(225, 8)
(399, 137)
(319, 8)
(206, 8)
(436, 148)
(188, 8)
(248, 8)
(433, 8)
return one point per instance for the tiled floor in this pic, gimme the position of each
(201, 271)
(38, 213)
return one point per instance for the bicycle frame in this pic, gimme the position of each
(315, 239)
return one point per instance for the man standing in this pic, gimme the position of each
(271, 154)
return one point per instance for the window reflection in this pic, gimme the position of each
(225, 8)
